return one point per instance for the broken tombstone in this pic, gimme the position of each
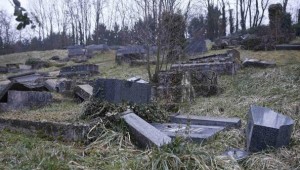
(79, 70)
(206, 121)
(145, 133)
(84, 92)
(118, 91)
(195, 133)
(258, 63)
(267, 128)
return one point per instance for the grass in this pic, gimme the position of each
(277, 88)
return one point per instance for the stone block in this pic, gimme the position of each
(206, 121)
(3, 70)
(28, 99)
(79, 70)
(267, 128)
(118, 91)
(84, 91)
(287, 47)
(195, 133)
(76, 51)
(258, 63)
(144, 133)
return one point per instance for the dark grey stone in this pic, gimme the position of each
(27, 99)
(75, 51)
(3, 70)
(267, 128)
(287, 47)
(258, 63)
(236, 154)
(196, 133)
(144, 133)
(118, 91)
(207, 121)
(13, 67)
(196, 45)
(84, 91)
(79, 70)
(130, 53)
(91, 50)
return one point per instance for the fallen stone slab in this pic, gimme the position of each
(51, 84)
(267, 128)
(79, 70)
(287, 47)
(27, 99)
(258, 63)
(137, 80)
(236, 154)
(206, 120)
(145, 134)
(118, 91)
(195, 133)
(61, 131)
(84, 92)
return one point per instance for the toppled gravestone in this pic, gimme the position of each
(79, 70)
(145, 133)
(130, 53)
(62, 85)
(180, 86)
(18, 100)
(287, 47)
(258, 63)
(118, 91)
(84, 92)
(195, 133)
(137, 80)
(267, 128)
(207, 121)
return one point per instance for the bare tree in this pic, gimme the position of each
(284, 5)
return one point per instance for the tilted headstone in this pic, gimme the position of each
(118, 91)
(206, 120)
(267, 128)
(79, 70)
(84, 91)
(145, 133)
(196, 133)
(28, 99)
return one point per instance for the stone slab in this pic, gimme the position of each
(195, 133)
(145, 133)
(287, 47)
(79, 70)
(84, 91)
(266, 128)
(27, 99)
(206, 120)
(118, 91)
(258, 63)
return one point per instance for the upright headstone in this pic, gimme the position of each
(118, 91)
(267, 128)
(145, 133)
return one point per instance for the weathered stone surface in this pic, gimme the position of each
(207, 121)
(13, 67)
(75, 51)
(84, 91)
(196, 45)
(25, 67)
(27, 99)
(62, 131)
(196, 133)
(93, 49)
(137, 80)
(267, 128)
(236, 154)
(79, 70)
(3, 70)
(287, 47)
(145, 133)
(118, 91)
(258, 63)
(130, 53)
(50, 84)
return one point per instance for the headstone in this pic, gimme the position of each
(196, 133)
(3, 70)
(50, 84)
(267, 128)
(196, 45)
(118, 91)
(145, 133)
(25, 67)
(130, 53)
(93, 49)
(13, 67)
(258, 63)
(28, 99)
(236, 154)
(84, 91)
(206, 121)
(79, 70)
(75, 51)
(64, 86)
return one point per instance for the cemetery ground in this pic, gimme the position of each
(277, 88)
